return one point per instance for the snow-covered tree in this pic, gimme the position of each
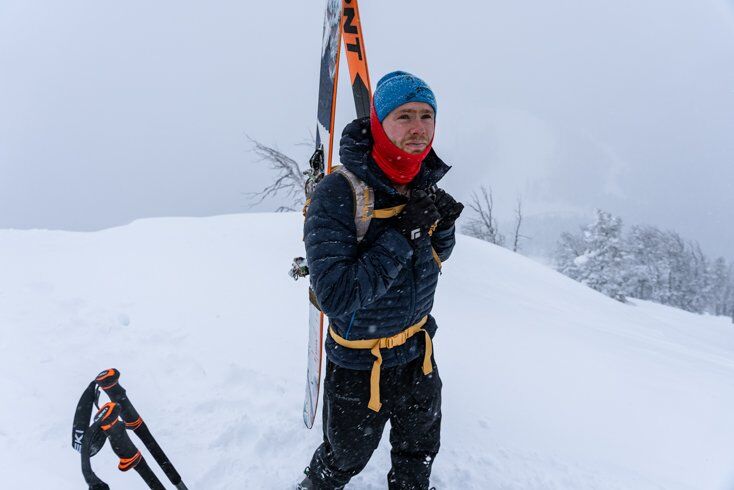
(648, 264)
(645, 263)
(685, 285)
(720, 287)
(601, 266)
(569, 247)
(699, 288)
(661, 267)
(726, 298)
(597, 257)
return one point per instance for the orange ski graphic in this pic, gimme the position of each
(356, 57)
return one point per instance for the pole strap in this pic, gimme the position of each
(80, 427)
(92, 434)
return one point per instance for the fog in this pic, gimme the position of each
(114, 112)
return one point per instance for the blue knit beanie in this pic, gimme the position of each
(398, 88)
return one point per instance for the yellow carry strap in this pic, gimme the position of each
(386, 213)
(374, 346)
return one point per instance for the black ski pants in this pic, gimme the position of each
(411, 401)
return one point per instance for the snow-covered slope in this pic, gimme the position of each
(547, 384)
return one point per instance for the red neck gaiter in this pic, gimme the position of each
(400, 167)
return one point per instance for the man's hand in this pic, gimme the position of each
(419, 214)
(448, 208)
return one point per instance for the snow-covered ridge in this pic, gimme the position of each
(547, 384)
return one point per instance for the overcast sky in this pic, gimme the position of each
(112, 111)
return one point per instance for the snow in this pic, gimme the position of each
(547, 384)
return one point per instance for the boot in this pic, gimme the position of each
(307, 484)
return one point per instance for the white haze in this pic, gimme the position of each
(115, 111)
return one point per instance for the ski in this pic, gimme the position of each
(341, 19)
(320, 164)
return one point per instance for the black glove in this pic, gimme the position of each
(417, 217)
(448, 208)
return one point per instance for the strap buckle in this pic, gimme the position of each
(396, 340)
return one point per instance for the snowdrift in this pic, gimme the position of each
(547, 384)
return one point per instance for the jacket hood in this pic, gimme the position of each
(355, 147)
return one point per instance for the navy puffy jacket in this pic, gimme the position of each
(382, 285)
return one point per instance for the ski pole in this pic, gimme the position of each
(92, 436)
(130, 458)
(109, 381)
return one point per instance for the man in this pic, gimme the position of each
(378, 291)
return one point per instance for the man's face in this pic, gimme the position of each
(410, 126)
